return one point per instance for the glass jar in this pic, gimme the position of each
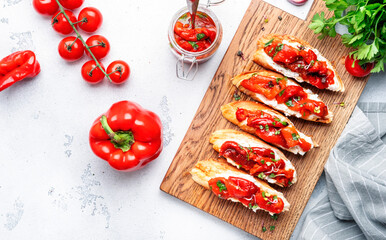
(193, 58)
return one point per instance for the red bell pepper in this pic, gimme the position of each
(16, 67)
(127, 136)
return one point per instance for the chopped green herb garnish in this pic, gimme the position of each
(268, 43)
(274, 216)
(255, 207)
(262, 161)
(266, 127)
(295, 136)
(272, 153)
(274, 197)
(264, 229)
(317, 109)
(200, 36)
(272, 175)
(289, 183)
(263, 194)
(261, 127)
(277, 132)
(302, 105)
(221, 186)
(271, 228)
(270, 84)
(281, 93)
(236, 96)
(280, 121)
(278, 48)
(250, 205)
(269, 164)
(289, 103)
(261, 175)
(239, 166)
(274, 160)
(193, 44)
(278, 80)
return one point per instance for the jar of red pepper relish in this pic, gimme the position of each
(194, 45)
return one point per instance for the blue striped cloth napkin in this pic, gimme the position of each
(349, 201)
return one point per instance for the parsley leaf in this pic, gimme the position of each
(221, 186)
(366, 25)
(200, 36)
(193, 44)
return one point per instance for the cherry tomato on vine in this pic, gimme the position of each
(71, 4)
(91, 19)
(45, 7)
(357, 70)
(119, 71)
(60, 23)
(99, 46)
(71, 48)
(91, 73)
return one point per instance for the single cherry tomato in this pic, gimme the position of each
(91, 73)
(99, 46)
(60, 23)
(45, 7)
(91, 19)
(358, 70)
(70, 48)
(71, 4)
(119, 71)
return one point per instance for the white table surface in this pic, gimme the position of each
(51, 184)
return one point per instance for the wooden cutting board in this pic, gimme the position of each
(195, 145)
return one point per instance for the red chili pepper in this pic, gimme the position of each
(127, 136)
(16, 67)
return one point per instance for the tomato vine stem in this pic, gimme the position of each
(81, 39)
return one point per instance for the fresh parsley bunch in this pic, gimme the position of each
(365, 20)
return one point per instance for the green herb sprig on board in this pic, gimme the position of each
(365, 21)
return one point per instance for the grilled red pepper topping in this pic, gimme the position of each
(258, 162)
(294, 97)
(301, 61)
(16, 67)
(272, 130)
(127, 136)
(246, 192)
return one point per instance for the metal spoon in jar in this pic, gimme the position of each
(192, 7)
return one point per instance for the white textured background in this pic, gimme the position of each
(51, 184)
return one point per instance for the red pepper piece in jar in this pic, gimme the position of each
(127, 136)
(16, 67)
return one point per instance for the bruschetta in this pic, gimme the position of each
(283, 94)
(232, 184)
(297, 59)
(269, 125)
(255, 156)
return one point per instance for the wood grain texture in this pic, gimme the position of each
(195, 145)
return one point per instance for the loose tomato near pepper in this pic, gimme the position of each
(70, 48)
(71, 4)
(45, 7)
(118, 71)
(91, 19)
(16, 67)
(91, 73)
(98, 45)
(353, 67)
(127, 136)
(61, 25)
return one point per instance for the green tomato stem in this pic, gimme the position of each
(82, 40)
